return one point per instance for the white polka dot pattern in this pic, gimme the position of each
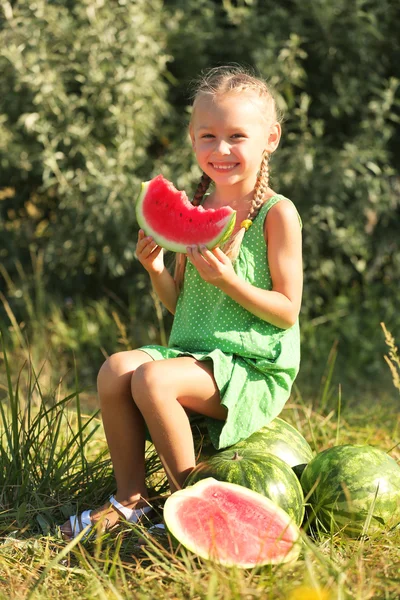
(254, 362)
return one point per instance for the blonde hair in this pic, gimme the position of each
(214, 83)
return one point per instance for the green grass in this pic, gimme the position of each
(54, 461)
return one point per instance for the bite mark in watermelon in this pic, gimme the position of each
(231, 525)
(174, 223)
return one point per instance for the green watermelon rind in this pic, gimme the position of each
(164, 242)
(170, 515)
(261, 472)
(283, 440)
(341, 488)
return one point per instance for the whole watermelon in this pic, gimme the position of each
(354, 489)
(283, 440)
(258, 471)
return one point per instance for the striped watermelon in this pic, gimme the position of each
(283, 440)
(263, 473)
(231, 525)
(354, 489)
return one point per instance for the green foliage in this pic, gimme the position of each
(56, 332)
(82, 93)
(95, 98)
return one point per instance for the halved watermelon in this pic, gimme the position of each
(231, 525)
(261, 472)
(168, 216)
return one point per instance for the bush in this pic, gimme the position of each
(95, 99)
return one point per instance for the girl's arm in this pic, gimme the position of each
(151, 257)
(164, 286)
(281, 305)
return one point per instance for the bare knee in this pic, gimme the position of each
(114, 375)
(146, 383)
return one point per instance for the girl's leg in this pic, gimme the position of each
(123, 424)
(124, 429)
(162, 390)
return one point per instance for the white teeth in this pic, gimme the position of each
(221, 168)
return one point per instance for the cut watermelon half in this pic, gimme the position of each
(231, 525)
(174, 223)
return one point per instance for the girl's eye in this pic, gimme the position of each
(207, 135)
(238, 135)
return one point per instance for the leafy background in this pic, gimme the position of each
(96, 98)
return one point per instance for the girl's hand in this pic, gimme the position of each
(213, 265)
(149, 254)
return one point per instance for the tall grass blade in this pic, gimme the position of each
(370, 515)
(339, 414)
(326, 388)
(8, 373)
(80, 425)
(14, 322)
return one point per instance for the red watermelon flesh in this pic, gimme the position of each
(168, 216)
(231, 525)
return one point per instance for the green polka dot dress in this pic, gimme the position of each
(254, 362)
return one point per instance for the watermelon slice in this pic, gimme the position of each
(168, 216)
(231, 525)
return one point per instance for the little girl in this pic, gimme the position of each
(234, 348)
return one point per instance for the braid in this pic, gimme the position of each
(180, 260)
(203, 186)
(232, 247)
(260, 188)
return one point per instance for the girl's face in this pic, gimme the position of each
(229, 135)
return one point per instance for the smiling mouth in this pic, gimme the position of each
(222, 167)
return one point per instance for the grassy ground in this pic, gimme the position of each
(54, 460)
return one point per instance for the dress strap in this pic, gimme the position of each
(270, 203)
